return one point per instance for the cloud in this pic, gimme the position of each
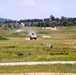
(44, 7)
(74, 6)
(29, 3)
(56, 9)
(1, 9)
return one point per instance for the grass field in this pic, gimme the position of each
(14, 47)
(67, 68)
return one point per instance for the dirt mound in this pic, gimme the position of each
(53, 28)
(50, 28)
(18, 30)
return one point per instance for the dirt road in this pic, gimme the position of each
(36, 63)
(41, 74)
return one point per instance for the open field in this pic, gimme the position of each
(57, 68)
(15, 48)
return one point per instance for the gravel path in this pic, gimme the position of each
(36, 63)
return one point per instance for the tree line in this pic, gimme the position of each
(52, 21)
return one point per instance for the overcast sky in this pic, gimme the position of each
(37, 9)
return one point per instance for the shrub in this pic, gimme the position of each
(3, 38)
(43, 32)
(19, 54)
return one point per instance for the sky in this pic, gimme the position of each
(37, 9)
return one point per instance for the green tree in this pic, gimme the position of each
(52, 18)
(53, 23)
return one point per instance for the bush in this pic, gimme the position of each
(19, 54)
(3, 38)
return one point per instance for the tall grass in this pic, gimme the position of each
(67, 68)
